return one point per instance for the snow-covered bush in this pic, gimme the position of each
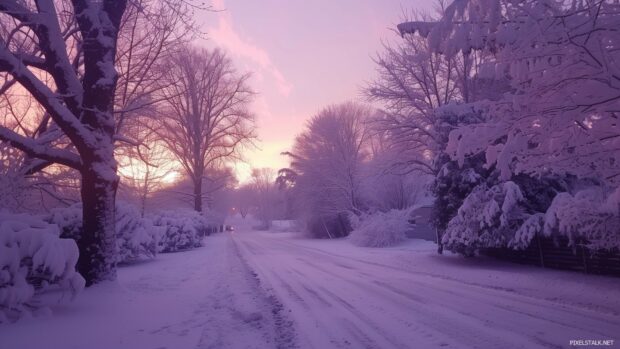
(181, 230)
(381, 229)
(589, 215)
(33, 258)
(68, 219)
(527, 231)
(488, 217)
(508, 215)
(136, 237)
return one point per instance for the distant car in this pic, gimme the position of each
(230, 228)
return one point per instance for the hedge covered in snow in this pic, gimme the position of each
(589, 215)
(136, 237)
(181, 230)
(381, 229)
(497, 216)
(32, 259)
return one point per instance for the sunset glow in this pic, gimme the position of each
(293, 67)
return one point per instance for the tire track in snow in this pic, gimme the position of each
(357, 322)
(285, 336)
(493, 308)
(300, 304)
(430, 317)
(469, 294)
(548, 303)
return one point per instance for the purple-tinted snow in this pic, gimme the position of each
(252, 289)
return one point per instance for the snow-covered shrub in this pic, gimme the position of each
(488, 217)
(68, 219)
(33, 258)
(527, 231)
(181, 230)
(589, 215)
(381, 229)
(136, 237)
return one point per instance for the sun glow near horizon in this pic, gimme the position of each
(266, 155)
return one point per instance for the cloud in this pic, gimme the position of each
(226, 36)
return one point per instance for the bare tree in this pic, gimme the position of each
(151, 32)
(413, 82)
(215, 187)
(75, 86)
(264, 187)
(244, 199)
(205, 117)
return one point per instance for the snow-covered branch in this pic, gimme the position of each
(67, 121)
(41, 151)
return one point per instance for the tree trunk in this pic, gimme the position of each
(97, 241)
(145, 193)
(198, 195)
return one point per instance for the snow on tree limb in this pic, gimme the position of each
(422, 28)
(52, 44)
(41, 151)
(17, 11)
(561, 61)
(67, 121)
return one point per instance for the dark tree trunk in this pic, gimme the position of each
(97, 241)
(198, 195)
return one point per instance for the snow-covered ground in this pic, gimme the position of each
(203, 298)
(251, 289)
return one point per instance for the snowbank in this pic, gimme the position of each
(381, 229)
(32, 259)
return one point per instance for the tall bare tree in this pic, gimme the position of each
(205, 118)
(413, 81)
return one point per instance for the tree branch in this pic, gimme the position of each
(37, 150)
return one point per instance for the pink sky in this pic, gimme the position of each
(304, 56)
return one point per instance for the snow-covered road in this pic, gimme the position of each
(275, 290)
(342, 298)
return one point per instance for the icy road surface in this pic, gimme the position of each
(276, 290)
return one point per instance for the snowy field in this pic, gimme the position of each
(251, 289)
